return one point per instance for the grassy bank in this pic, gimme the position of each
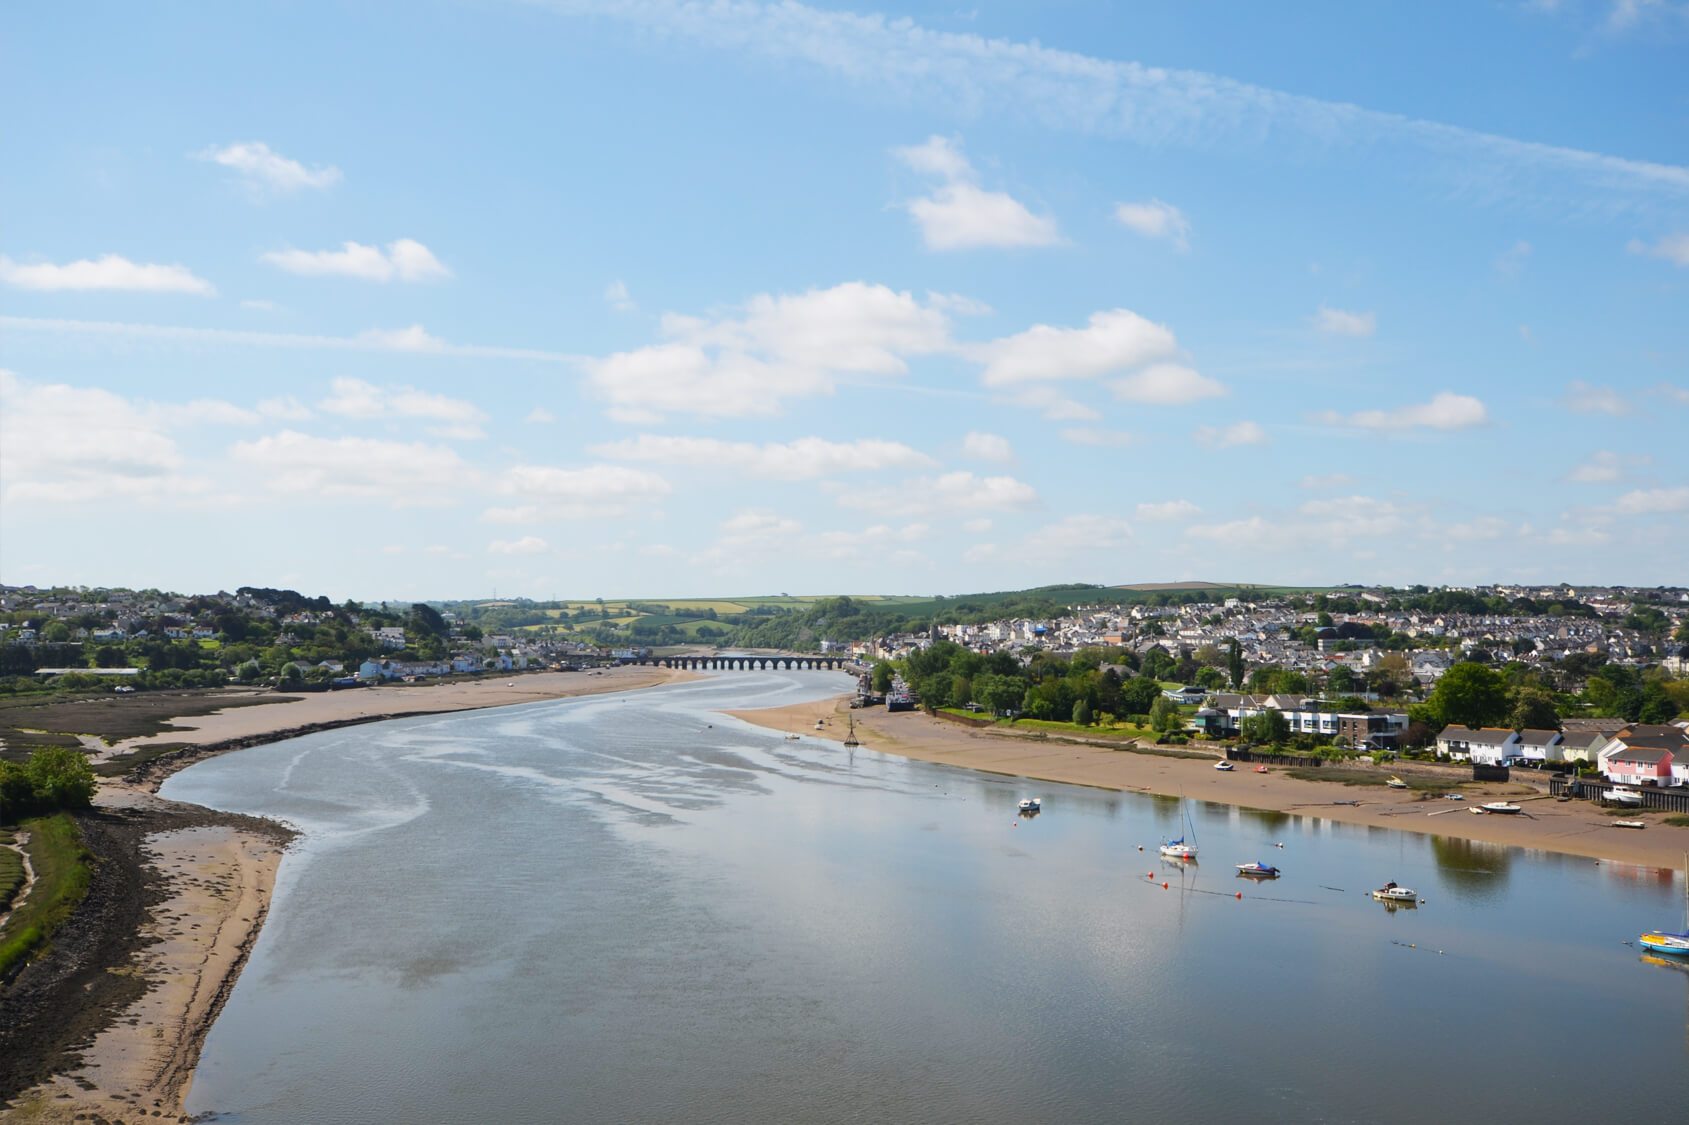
(61, 879)
(11, 869)
(1125, 732)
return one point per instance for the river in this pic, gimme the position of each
(631, 908)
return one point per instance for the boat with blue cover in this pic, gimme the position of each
(1258, 870)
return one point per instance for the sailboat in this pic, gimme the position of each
(1664, 941)
(850, 736)
(1177, 848)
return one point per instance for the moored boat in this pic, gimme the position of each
(1672, 943)
(1223, 767)
(1031, 804)
(1396, 783)
(1390, 892)
(1177, 848)
(1506, 807)
(1258, 870)
(1623, 796)
(1630, 824)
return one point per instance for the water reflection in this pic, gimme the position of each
(1473, 869)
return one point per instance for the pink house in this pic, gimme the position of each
(1641, 765)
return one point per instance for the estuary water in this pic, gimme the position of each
(631, 908)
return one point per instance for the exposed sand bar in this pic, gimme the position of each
(386, 701)
(1573, 827)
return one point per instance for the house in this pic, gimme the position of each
(1623, 765)
(1581, 746)
(371, 670)
(1644, 754)
(1488, 746)
(1371, 730)
(390, 636)
(1190, 693)
(1539, 745)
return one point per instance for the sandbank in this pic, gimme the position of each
(1572, 828)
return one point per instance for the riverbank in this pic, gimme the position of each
(109, 1025)
(1572, 828)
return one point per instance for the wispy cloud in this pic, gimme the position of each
(1225, 437)
(802, 459)
(110, 272)
(978, 76)
(1674, 248)
(404, 260)
(265, 170)
(1155, 219)
(1445, 411)
(1339, 322)
(413, 339)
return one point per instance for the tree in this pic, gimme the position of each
(1341, 680)
(1234, 664)
(61, 778)
(1000, 694)
(1211, 679)
(1165, 717)
(1534, 710)
(1469, 694)
(1138, 695)
(1082, 713)
(291, 678)
(883, 673)
(1269, 727)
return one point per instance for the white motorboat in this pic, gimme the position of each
(1623, 796)
(1223, 767)
(1389, 892)
(1507, 807)
(1630, 824)
(1031, 804)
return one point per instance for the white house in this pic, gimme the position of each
(390, 636)
(1540, 745)
(1488, 746)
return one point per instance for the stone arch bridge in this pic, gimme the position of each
(752, 662)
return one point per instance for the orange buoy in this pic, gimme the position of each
(1240, 894)
(1164, 886)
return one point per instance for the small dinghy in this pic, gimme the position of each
(1506, 808)
(1030, 806)
(1223, 767)
(1396, 783)
(1630, 824)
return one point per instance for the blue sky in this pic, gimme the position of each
(580, 299)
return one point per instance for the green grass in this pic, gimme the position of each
(1678, 820)
(1365, 777)
(11, 870)
(1122, 731)
(61, 879)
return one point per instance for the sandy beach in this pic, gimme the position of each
(1572, 828)
(211, 878)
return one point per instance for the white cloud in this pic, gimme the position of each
(1602, 468)
(1053, 405)
(977, 526)
(1445, 411)
(64, 444)
(549, 492)
(404, 260)
(1586, 398)
(540, 416)
(1251, 532)
(1166, 384)
(1674, 248)
(960, 215)
(1155, 219)
(1167, 510)
(412, 339)
(1673, 392)
(957, 304)
(111, 272)
(1238, 433)
(1113, 340)
(405, 474)
(747, 534)
(949, 494)
(988, 447)
(617, 297)
(354, 398)
(1077, 535)
(802, 459)
(1337, 322)
(264, 169)
(258, 304)
(1088, 435)
(792, 346)
(284, 408)
(527, 545)
(979, 552)
(1654, 501)
(1325, 480)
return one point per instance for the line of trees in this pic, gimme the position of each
(52, 778)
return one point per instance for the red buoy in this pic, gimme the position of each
(1164, 886)
(1240, 894)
